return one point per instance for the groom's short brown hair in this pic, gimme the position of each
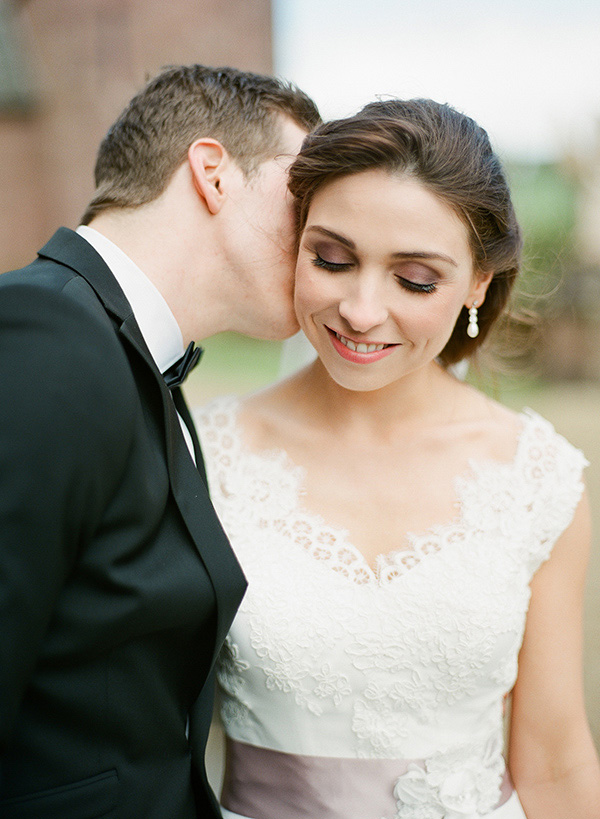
(150, 140)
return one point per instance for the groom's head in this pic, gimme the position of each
(195, 172)
(243, 111)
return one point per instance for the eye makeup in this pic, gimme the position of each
(417, 287)
(335, 253)
(329, 255)
(417, 278)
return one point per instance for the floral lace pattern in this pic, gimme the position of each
(458, 785)
(411, 661)
(230, 672)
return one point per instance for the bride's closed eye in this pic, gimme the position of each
(326, 264)
(416, 287)
(416, 277)
(410, 275)
(329, 255)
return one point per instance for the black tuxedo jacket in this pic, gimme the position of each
(117, 584)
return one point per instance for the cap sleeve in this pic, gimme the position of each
(553, 482)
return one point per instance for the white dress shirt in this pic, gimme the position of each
(152, 313)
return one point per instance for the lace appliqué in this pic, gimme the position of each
(505, 498)
(392, 652)
(463, 784)
(230, 676)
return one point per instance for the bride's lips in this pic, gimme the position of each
(358, 352)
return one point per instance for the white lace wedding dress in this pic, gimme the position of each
(353, 694)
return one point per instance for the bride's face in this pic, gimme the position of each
(383, 271)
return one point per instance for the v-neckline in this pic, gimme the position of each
(397, 561)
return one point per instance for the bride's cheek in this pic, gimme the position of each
(316, 286)
(307, 292)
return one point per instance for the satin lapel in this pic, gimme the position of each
(191, 496)
(182, 409)
(189, 489)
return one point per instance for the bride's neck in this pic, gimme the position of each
(419, 397)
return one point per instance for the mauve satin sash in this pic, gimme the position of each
(267, 784)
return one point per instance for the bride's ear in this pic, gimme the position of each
(479, 289)
(208, 161)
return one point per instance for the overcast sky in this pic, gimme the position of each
(527, 70)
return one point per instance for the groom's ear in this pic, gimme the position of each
(208, 161)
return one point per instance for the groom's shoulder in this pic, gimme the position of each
(53, 324)
(41, 277)
(35, 279)
(59, 264)
(48, 291)
(43, 269)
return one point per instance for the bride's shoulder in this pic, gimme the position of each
(219, 411)
(512, 435)
(490, 429)
(266, 418)
(256, 419)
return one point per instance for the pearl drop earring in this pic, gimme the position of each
(473, 326)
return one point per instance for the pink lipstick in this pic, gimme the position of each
(359, 352)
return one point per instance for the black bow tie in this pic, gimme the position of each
(178, 372)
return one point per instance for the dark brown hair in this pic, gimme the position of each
(448, 153)
(151, 138)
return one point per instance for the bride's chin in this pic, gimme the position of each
(359, 383)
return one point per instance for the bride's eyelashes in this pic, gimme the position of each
(412, 275)
(417, 287)
(333, 267)
(339, 267)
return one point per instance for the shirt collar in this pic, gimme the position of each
(152, 313)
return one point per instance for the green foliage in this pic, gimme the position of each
(544, 200)
(233, 364)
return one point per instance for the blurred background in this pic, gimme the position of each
(527, 70)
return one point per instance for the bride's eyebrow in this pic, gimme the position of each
(411, 254)
(419, 254)
(331, 235)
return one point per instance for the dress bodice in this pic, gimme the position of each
(409, 661)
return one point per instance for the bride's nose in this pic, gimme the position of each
(363, 306)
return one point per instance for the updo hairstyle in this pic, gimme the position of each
(451, 156)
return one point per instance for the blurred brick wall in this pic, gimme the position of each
(86, 59)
